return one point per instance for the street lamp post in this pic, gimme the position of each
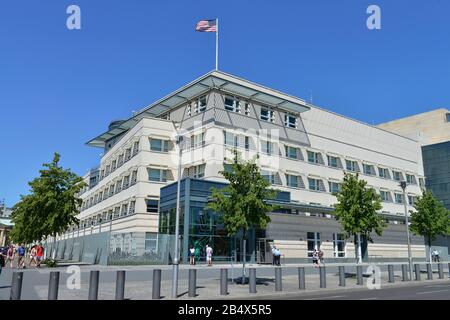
(177, 224)
(403, 186)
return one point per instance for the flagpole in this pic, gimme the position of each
(217, 44)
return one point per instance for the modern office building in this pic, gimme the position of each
(128, 210)
(5, 223)
(432, 130)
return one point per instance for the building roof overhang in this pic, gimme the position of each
(213, 80)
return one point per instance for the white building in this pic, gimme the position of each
(304, 151)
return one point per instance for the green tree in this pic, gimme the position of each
(356, 210)
(430, 218)
(52, 205)
(242, 203)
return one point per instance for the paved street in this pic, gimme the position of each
(139, 284)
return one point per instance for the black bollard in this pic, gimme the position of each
(301, 278)
(53, 285)
(391, 273)
(323, 277)
(441, 270)
(93, 285)
(16, 286)
(429, 272)
(278, 279)
(192, 282)
(359, 275)
(252, 280)
(405, 276)
(156, 292)
(417, 271)
(120, 285)
(342, 276)
(223, 282)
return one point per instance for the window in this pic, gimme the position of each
(292, 152)
(313, 157)
(335, 187)
(410, 179)
(227, 167)
(200, 105)
(269, 176)
(159, 145)
(151, 239)
(114, 165)
(368, 169)
(157, 175)
(247, 143)
(383, 173)
(124, 210)
(189, 110)
(199, 171)
(385, 196)
(339, 245)
(313, 241)
(152, 205)
(231, 139)
(132, 207)
(351, 165)
(120, 160)
(108, 170)
(128, 154)
(411, 200)
(422, 182)
(111, 190)
(116, 212)
(266, 147)
(397, 175)
(135, 148)
(314, 184)
(267, 115)
(232, 104)
(119, 185)
(247, 109)
(126, 182)
(134, 177)
(290, 121)
(398, 198)
(333, 162)
(293, 181)
(447, 117)
(198, 140)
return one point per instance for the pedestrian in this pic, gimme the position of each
(2, 261)
(209, 252)
(39, 254)
(33, 256)
(315, 258)
(278, 257)
(274, 257)
(10, 255)
(192, 256)
(320, 256)
(21, 253)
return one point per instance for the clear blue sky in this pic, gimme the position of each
(60, 88)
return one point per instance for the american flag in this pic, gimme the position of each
(206, 26)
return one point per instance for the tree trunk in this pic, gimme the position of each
(429, 250)
(54, 248)
(244, 251)
(359, 249)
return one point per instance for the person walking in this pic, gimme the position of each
(32, 256)
(2, 260)
(274, 257)
(39, 254)
(320, 256)
(315, 258)
(192, 256)
(21, 253)
(209, 252)
(10, 255)
(278, 257)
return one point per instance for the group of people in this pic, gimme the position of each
(8, 256)
(194, 252)
(317, 257)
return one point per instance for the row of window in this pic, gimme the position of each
(122, 158)
(314, 242)
(110, 190)
(271, 148)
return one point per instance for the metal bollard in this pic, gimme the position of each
(417, 271)
(53, 285)
(252, 280)
(120, 285)
(359, 275)
(16, 286)
(429, 272)
(449, 269)
(405, 276)
(391, 273)
(278, 279)
(223, 282)
(301, 278)
(93, 285)
(323, 277)
(342, 276)
(441, 270)
(192, 282)
(156, 292)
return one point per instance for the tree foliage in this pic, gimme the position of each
(357, 206)
(52, 205)
(430, 218)
(242, 203)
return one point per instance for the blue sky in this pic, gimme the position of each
(60, 88)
